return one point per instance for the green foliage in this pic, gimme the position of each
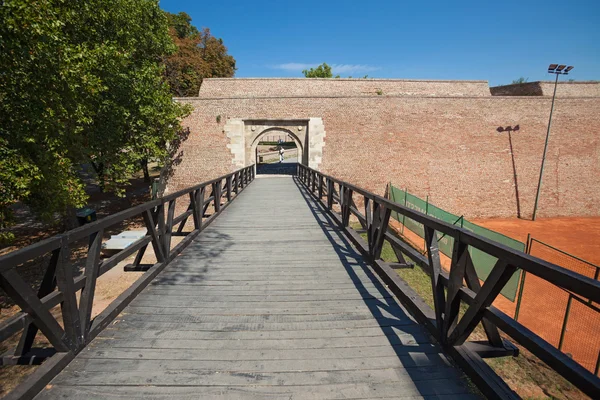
(519, 81)
(182, 24)
(322, 71)
(82, 82)
(198, 55)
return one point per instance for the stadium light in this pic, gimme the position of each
(557, 69)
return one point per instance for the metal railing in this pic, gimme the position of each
(75, 327)
(461, 285)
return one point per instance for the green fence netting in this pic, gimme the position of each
(482, 261)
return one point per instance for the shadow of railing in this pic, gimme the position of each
(409, 340)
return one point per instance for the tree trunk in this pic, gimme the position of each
(70, 219)
(99, 169)
(144, 163)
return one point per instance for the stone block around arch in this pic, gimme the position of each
(245, 133)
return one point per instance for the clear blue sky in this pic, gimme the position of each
(495, 40)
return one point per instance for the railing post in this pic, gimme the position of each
(345, 200)
(92, 267)
(314, 179)
(329, 193)
(217, 196)
(70, 311)
(228, 183)
(520, 295)
(156, 236)
(320, 187)
(381, 219)
(169, 228)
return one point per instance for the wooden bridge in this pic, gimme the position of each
(275, 298)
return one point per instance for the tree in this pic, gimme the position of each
(519, 81)
(199, 55)
(81, 82)
(322, 71)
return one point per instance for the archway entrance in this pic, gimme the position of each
(249, 136)
(277, 152)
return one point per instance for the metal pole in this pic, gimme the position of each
(537, 196)
(404, 216)
(565, 322)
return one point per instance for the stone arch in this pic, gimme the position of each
(251, 149)
(309, 135)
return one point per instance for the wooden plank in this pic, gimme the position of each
(405, 362)
(285, 354)
(422, 390)
(224, 378)
(122, 331)
(126, 322)
(264, 344)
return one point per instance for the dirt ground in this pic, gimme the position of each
(29, 230)
(578, 236)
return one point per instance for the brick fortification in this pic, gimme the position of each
(437, 138)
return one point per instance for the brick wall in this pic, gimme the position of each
(445, 147)
(324, 87)
(546, 88)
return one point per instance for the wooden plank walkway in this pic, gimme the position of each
(270, 302)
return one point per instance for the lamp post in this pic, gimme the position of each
(557, 70)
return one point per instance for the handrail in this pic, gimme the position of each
(59, 286)
(461, 284)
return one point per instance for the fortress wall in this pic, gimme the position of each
(546, 88)
(326, 87)
(446, 148)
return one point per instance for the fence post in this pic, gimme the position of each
(528, 244)
(404, 216)
(565, 322)
(426, 213)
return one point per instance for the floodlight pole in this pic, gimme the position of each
(557, 72)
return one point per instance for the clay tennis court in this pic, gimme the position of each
(543, 305)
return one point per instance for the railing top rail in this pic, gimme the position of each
(572, 281)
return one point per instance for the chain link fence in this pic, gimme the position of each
(482, 261)
(565, 320)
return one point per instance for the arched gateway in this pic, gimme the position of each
(244, 135)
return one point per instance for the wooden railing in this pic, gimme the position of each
(76, 328)
(460, 285)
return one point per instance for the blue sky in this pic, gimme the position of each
(493, 40)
